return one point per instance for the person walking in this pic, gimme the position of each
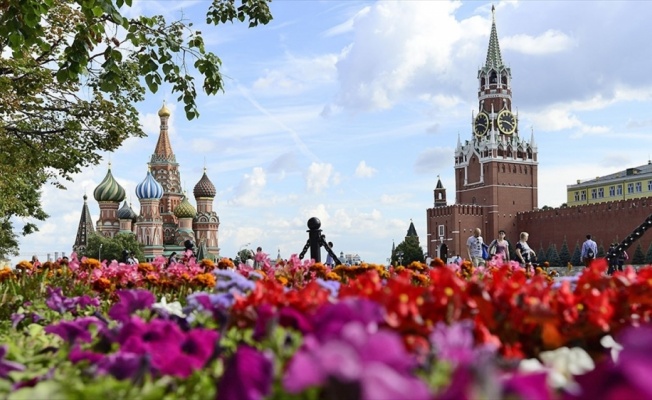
(589, 251)
(500, 247)
(524, 253)
(474, 248)
(329, 259)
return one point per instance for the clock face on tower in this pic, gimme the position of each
(506, 122)
(481, 125)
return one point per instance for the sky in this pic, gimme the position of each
(349, 111)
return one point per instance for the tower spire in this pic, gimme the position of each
(163, 151)
(494, 59)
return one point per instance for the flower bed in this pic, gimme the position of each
(303, 330)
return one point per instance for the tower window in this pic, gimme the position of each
(493, 78)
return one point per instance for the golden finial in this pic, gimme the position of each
(164, 111)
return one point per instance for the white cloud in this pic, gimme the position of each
(248, 191)
(431, 160)
(320, 176)
(393, 198)
(365, 171)
(551, 41)
(347, 25)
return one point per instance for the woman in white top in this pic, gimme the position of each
(524, 253)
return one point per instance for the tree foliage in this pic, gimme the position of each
(112, 248)
(71, 74)
(638, 258)
(410, 250)
(577, 254)
(564, 254)
(552, 256)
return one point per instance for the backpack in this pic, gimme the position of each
(589, 253)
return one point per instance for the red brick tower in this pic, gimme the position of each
(496, 169)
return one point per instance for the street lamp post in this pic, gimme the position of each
(99, 255)
(400, 255)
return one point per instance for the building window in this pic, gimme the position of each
(577, 196)
(630, 188)
(583, 195)
(639, 187)
(601, 193)
(440, 230)
(594, 193)
(619, 190)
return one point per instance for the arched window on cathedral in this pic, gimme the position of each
(438, 196)
(493, 77)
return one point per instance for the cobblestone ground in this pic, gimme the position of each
(564, 271)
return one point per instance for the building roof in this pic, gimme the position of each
(149, 188)
(109, 189)
(163, 151)
(185, 209)
(126, 212)
(412, 231)
(85, 227)
(204, 188)
(494, 58)
(439, 185)
(626, 174)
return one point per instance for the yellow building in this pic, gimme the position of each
(631, 183)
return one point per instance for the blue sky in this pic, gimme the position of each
(349, 110)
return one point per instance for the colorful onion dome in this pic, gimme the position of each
(164, 111)
(126, 212)
(149, 188)
(185, 209)
(204, 188)
(109, 189)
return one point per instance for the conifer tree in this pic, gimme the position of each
(638, 258)
(564, 254)
(542, 256)
(601, 252)
(577, 254)
(648, 256)
(553, 256)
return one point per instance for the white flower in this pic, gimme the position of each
(562, 364)
(173, 308)
(608, 342)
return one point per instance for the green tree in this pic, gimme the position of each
(648, 256)
(71, 73)
(411, 251)
(577, 254)
(638, 258)
(564, 254)
(553, 256)
(542, 256)
(112, 248)
(601, 252)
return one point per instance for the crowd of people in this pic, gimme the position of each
(478, 252)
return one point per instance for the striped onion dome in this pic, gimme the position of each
(109, 189)
(149, 188)
(185, 209)
(204, 188)
(126, 212)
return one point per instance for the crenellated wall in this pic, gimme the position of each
(607, 222)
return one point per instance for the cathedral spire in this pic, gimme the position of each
(163, 151)
(84, 229)
(494, 59)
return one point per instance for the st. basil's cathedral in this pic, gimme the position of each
(167, 219)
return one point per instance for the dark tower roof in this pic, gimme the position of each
(494, 59)
(439, 185)
(204, 188)
(412, 232)
(84, 229)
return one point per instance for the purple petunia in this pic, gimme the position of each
(360, 355)
(58, 302)
(248, 375)
(71, 331)
(7, 366)
(130, 302)
(455, 343)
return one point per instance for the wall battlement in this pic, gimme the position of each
(463, 209)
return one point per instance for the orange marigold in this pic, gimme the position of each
(6, 273)
(102, 285)
(90, 264)
(144, 267)
(282, 280)
(332, 276)
(205, 280)
(225, 263)
(24, 265)
(207, 264)
(437, 262)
